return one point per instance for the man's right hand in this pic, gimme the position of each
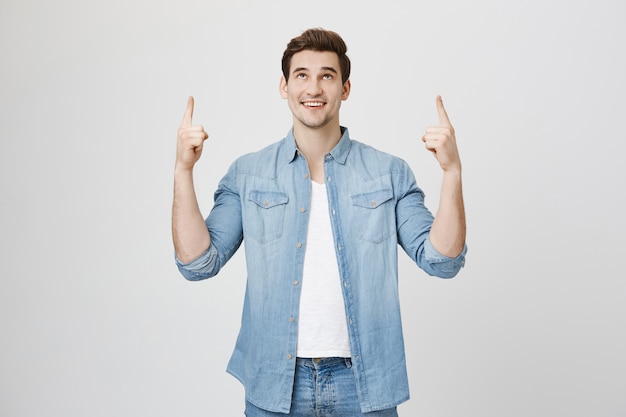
(190, 140)
(189, 232)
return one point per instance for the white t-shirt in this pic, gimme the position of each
(323, 331)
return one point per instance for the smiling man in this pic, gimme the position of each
(321, 216)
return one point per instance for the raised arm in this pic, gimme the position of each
(448, 230)
(189, 232)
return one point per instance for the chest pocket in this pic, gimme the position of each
(265, 215)
(374, 215)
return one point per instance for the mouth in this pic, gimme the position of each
(313, 104)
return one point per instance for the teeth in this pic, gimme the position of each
(313, 104)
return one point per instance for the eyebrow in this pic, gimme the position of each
(331, 69)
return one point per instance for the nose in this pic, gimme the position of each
(314, 87)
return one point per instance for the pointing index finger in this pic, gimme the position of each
(188, 113)
(444, 120)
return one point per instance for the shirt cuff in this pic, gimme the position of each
(433, 256)
(199, 268)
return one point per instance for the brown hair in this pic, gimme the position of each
(321, 40)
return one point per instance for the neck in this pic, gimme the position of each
(314, 144)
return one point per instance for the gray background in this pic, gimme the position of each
(95, 320)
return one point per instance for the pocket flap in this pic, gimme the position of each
(268, 199)
(372, 199)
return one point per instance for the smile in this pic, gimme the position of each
(313, 104)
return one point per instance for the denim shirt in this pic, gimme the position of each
(374, 206)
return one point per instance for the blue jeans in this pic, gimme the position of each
(323, 387)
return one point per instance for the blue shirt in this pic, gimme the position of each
(374, 206)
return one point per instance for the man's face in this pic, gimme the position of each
(314, 89)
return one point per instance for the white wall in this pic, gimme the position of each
(95, 320)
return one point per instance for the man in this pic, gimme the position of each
(321, 216)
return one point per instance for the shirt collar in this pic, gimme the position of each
(342, 149)
(339, 153)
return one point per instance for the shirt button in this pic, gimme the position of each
(296, 282)
(328, 179)
(299, 245)
(266, 203)
(302, 210)
(339, 247)
(333, 212)
(306, 175)
(292, 319)
(289, 356)
(373, 203)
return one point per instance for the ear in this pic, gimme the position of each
(283, 87)
(345, 91)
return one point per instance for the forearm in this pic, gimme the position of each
(447, 233)
(189, 232)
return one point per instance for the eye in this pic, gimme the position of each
(327, 77)
(301, 76)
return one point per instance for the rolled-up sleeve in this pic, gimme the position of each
(225, 228)
(202, 267)
(441, 265)
(414, 221)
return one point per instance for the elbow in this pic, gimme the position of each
(446, 270)
(205, 266)
(198, 274)
(447, 267)
(439, 265)
(445, 273)
(194, 275)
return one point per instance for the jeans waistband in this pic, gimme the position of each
(324, 362)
